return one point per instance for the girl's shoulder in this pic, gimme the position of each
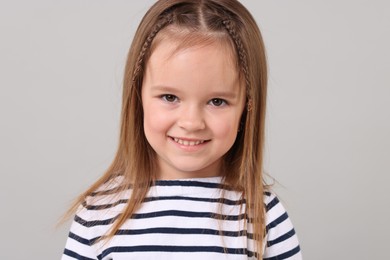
(275, 211)
(280, 232)
(270, 199)
(110, 197)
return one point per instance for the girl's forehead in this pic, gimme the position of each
(207, 67)
(173, 49)
(176, 40)
(213, 52)
(213, 56)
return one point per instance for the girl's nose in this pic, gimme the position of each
(191, 119)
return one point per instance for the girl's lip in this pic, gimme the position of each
(189, 139)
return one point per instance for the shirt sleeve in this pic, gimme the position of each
(79, 242)
(281, 239)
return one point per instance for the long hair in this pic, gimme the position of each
(135, 159)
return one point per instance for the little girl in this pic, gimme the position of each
(186, 182)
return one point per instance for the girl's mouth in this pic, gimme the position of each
(188, 142)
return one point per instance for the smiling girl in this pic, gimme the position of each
(186, 182)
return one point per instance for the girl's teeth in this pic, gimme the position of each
(187, 143)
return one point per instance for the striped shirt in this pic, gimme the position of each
(180, 219)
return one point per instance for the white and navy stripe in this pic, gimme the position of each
(179, 219)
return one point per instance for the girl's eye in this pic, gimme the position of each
(217, 102)
(169, 98)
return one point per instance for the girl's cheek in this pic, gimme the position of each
(223, 128)
(157, 121)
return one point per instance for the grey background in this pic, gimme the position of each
(61, 65)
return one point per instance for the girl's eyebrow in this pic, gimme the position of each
(218, 94)
(164, 88)
(224, 94)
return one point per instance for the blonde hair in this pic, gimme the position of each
(135, 159)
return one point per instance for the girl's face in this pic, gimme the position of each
(192, 101)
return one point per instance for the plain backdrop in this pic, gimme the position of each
(328, 145)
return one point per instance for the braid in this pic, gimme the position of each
(163, 21)
(241, 51)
